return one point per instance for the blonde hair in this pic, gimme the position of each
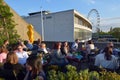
(12, 58)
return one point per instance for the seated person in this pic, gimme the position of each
(34, 69)
(90, 47)
(42, 48)
(23, 45)
(107, 60)
(12, 70)
(115, 50)
(74, 46)
(57, 57)
(21, 54)
(65, 49)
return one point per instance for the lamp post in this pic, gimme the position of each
(42, 25)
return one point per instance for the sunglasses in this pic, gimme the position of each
(111, 46)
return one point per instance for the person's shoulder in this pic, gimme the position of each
(114, 57)
(7, 65)
(99, 55)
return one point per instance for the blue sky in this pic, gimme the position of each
(109, 10)
(106, 8)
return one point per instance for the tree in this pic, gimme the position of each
(98, 30)
(111, 29)
(7, 24)
(115, 32)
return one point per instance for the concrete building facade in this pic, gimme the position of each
(61, 26)
(21, 26)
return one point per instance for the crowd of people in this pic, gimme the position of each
(24, 60)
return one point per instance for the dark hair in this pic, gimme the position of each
(35, 63)
(67, 45)
(56, 45)
(90, 42)
(108, 53)
(5, 40)
(76, 40)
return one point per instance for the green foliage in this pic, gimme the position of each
(72, 74)
(115, 32)
(53, 75)
(7, 24)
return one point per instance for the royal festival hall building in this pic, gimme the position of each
(61, 26)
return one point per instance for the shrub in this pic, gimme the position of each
(72, 74)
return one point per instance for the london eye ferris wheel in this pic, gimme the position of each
(94, 18)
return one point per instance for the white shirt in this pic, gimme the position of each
(22, 56)
(110, 64)
(44, 50)
(90, 47)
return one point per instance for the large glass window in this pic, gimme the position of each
(78, 21)
(82, 34)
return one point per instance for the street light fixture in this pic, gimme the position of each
(42, 25)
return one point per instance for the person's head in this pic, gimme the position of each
(65, 43)
(57, 45)
(110, 44)
(39, 41)
(33, 63)
(108, 53)
(6, 42)
(12, 58)
(19, 47)
(42, 45)
(90, 42)
(77, 40)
